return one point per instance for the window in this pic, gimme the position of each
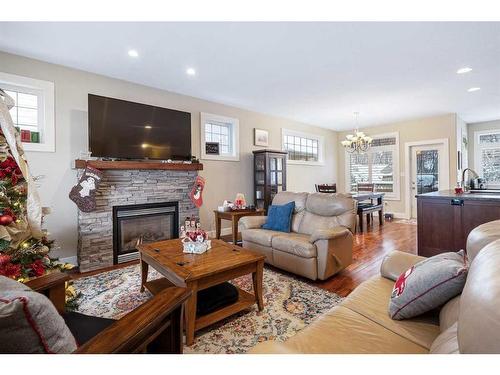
(221, 130)
(379, 165)
(33, 111)
(303, 148)
(487, 156)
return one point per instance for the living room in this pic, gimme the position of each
(249, 187)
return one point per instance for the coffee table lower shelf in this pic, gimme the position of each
(245, 301)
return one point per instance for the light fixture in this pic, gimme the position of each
(144, 145)
(472, 89)
(359, 142)
(464, 70)
(190, 72)
(133, 53)
(148, 127)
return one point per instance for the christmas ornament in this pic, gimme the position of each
(6, 220)
(196, 192)
(83, 193)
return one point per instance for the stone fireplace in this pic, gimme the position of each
(133, 205)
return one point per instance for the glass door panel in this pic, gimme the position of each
(427, 171)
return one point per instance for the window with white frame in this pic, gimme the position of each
(487, 156)
(379, 165)
(221, 130)
(302, 148)
(33, 110)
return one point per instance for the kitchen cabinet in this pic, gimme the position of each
(445, 219)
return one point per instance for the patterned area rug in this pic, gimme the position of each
(290, 305)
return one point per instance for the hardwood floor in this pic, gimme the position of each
(370, 247)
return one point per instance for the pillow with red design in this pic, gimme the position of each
(29, 322)
(428, 284)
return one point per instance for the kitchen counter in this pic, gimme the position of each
(469, 196)
(445, 219)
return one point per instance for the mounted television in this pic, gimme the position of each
(126, 130)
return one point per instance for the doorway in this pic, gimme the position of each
(428, 170)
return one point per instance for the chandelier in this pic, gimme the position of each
(359, 142)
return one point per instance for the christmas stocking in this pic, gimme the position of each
(196, 191)
(83, 193)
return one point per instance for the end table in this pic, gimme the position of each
(234, 217)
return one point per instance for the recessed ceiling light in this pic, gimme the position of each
(464, 70)
(190, 72)
(133, 53)
(472, 89)
(147, 126)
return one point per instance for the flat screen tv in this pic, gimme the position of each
(126, 130)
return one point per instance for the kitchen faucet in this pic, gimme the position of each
(467, 187)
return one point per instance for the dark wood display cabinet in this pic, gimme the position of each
(269, 176)
(445, 219)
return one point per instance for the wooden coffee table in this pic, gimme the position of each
(223, 262)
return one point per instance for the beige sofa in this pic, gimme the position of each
(320, 243)
(469, 323)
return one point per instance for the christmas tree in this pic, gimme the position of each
(24, 246)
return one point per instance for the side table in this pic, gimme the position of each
(234, 217)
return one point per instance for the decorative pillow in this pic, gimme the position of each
(29, 322)
(279, 218)
(428, 284)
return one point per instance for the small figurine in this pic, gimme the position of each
(240, 201)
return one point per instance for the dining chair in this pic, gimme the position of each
(366, 207)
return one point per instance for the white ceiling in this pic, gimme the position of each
(317, 73)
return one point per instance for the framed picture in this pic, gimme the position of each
(261, 137)
(212, 148)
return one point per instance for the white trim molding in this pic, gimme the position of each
(46, 110)
(396, 195)
(321, 146)
(478, 154)
(446, 176)
(235, 136)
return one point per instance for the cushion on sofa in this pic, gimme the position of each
(260, 236)
(295, 243)
(370, 300)
(449, 313)
(447, 341)
(300, 205)
(279, 217)
(29, 322)
(342, 331)
(428, 284)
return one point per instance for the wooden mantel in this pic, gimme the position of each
(135, 164)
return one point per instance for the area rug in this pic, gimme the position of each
(290, 305)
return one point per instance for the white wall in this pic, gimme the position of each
(224, 179)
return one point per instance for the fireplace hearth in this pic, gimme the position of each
(142, 223)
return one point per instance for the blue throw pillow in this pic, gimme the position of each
(279, 218)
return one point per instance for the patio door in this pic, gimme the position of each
(429, 171)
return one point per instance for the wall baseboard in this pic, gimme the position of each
(399, 215)
(71, 260)
(223, 232)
